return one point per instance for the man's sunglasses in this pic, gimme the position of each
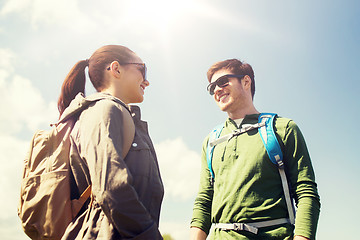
(221, 82)
(142, 68)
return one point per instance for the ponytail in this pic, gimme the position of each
(73, 84)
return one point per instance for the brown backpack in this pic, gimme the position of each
(45, 207)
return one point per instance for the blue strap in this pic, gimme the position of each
(210, 150)
(270, 141)
(268, 137)
(275, 154)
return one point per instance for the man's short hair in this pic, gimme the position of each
(236, 67)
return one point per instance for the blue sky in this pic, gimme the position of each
(305, 55)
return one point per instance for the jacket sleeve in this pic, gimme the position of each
(302, 181)
(102, 141)
(202, 207)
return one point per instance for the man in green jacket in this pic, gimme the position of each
(247, 190)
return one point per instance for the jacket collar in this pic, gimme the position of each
(249, 119)
(80, 102)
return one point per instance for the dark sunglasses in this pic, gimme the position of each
(222, 82)
(142, 68)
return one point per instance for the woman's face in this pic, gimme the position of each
(134, 72)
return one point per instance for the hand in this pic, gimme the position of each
(300, 238)
(197, 234)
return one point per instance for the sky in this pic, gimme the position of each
(305, 55)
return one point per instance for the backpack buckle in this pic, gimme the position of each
(212, 180)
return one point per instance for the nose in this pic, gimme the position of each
(217, 89)
(146, 83)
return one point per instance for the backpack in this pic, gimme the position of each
(45, 207)
(265, 127)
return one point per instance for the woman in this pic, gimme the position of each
(112, 154)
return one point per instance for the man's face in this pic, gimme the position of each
(229, 97)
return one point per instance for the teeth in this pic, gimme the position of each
(222, 97)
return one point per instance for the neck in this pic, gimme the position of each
(241, 113)
(114, 92)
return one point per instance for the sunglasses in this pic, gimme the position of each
(142, 68)
(222, 81)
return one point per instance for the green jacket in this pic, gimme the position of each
(248, 187)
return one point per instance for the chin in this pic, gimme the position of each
(139, 99)
(223, 107)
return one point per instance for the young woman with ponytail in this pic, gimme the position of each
(111, 149)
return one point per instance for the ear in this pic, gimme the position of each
(115, 69)
(246, 82)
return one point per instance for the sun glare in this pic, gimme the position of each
(159, 14)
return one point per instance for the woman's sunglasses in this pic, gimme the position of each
(222, 81)
(142, 68)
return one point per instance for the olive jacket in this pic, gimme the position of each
(247, 187)
(127, 192)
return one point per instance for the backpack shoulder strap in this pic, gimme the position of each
(129, 131)
(215, 133)
(269, 139)
(275, 154)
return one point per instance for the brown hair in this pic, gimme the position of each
(236, 67)
(75, 80)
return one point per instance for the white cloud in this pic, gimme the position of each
(65, 12)
(177, 231)
(48, 13)
(22, 105)
(12, 153)
(16, 6)
(6, 61)
(180, 169)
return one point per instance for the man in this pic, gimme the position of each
(247, 187)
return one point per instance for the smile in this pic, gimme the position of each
(222, 97)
